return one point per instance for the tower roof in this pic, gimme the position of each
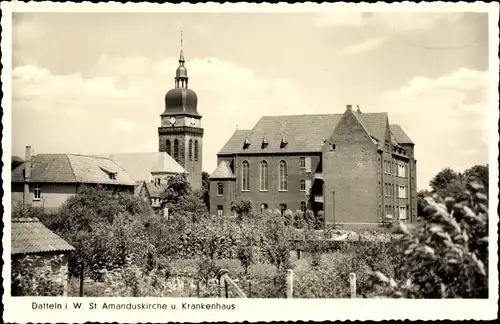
(181, 100)
(223, 171)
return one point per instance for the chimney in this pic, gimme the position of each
(359, 110)
(27, 176)
(349, 107)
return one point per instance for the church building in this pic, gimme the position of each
(180, 134)
(355, 167)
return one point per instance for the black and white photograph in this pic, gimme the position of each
(232, 159)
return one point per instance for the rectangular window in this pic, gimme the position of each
(302, 162)
(402, 213)
(220, 210)
(308, 164)
(303, 206)
(37, 192)
(220, 189)
(302, 185)
(308, 186)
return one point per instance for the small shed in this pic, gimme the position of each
(30, 237)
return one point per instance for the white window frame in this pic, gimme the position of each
(303, 182)
(37, 192)
(220, 189)
(283, 176)
(220, 210)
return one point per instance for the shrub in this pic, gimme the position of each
(288, 217)
(447, 255)
(298, 218)
(320, 220)
(242, 208)
(34, 276)
(309, 218)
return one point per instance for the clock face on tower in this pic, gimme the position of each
(193, 121)
(172, 120)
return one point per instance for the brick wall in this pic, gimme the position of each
(292, 198)
(194, 168)
(224, 200)
(350, 174)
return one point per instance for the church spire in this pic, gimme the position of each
(181, 57)
(181, 77)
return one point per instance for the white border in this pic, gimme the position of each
(19, 310)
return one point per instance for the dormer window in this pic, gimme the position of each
(264, 142)
(246, 143)
(111, 173)
(284, 142)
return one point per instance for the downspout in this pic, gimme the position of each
(27, 177)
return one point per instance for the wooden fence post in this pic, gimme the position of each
(81, 279)
(289, 284)
(352, 281)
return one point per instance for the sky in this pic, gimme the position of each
(94, 83)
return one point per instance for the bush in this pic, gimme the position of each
(447, 255)
(298, 219)
(242, 208)
(34, 276)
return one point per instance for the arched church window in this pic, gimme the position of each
(190, 150)
(176, 149)
(263, 176)
(283, 176)
(169, 147)
(196, 150)
(245, 176)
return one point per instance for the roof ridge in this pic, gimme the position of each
(71, 167)
(360, 121)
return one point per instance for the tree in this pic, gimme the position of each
(205, 191)
(447, 255)
(242, 208)
(448, 183)
(478, 173)
(181, 200)
(298, 219)
(444, 178)
(288, 216)
(33, 276)
(421, 201)
(310, 220)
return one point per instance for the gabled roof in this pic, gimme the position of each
(73, 168)
(141, 165)
(138, 187)
(234, 141)
(223, 171)
(304, 133)
(400, 134)
(29, 235)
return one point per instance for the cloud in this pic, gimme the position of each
(362, 47)
(447, 117)
(388, 21)
(383, 23)
(120, 124)
(115, 106)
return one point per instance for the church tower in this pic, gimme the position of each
(180, 134)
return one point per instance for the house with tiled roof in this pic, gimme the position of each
(29, 237)
(47, 180)
(355, 167)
